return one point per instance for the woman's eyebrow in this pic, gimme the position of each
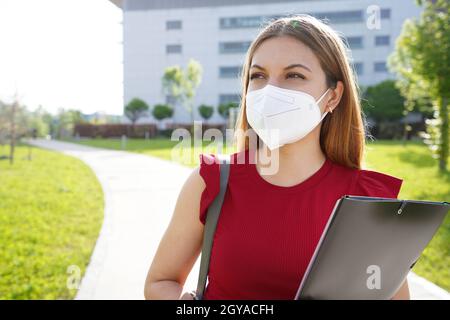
(257, 66)
(296, 65)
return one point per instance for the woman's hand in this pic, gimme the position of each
(187, 296)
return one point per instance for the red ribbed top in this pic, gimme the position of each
(266, 234)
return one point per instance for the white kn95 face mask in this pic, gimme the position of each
(280, 116)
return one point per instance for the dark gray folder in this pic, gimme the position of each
(369, 246)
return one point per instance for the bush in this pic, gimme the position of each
(388, 130)
(188, 126)
(114, 130)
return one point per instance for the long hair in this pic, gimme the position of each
(342, 135)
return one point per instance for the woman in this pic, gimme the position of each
(270, 223)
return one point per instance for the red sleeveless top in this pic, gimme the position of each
(267, 234)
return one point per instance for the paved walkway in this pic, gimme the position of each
(140, 194)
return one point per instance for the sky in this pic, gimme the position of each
(62, 54)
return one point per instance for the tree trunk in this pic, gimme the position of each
(405, 131)
(133, 127)
(13, 133)
(192, 123)
(443, 153)
(193, 131)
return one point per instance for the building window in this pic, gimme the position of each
(173, 24)
(227, 98)
(355, 42)
(234, 47)
(340, 16)
(240, 22)
(359, 68)
(380, 67)
(245, 22)
(385, 13)
(173, 48)
(382, 40)
(229, 72)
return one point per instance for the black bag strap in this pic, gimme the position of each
(211, 223)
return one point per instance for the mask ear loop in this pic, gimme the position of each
(323, 95)
(318, 101)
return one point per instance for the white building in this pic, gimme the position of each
(217, 33)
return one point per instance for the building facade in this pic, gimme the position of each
(217, 33)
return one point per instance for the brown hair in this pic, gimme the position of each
(342, 135)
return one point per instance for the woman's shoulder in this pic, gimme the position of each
(209, 170)
(373, 183)
(209, 166)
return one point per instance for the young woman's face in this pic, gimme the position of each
(287, 63)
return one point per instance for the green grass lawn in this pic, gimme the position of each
(411, 162)
(421, 181)
(51, 211)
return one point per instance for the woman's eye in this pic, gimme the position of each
(256, 75)
(290, 75)
(296, 75)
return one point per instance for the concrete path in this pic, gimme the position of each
(140, 194)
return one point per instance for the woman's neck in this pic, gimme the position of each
(296, 162)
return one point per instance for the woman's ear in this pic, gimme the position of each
(335, 97)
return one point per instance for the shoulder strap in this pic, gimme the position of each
(211, 223)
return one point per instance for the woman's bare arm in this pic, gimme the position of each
(403, 292)
(180, 245)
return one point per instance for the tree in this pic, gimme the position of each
(224, 108)
(383, 101)
(13, 123)
(162, 111)
(136, 109)
(182, 85)
(422, 63)
(384, 104)
(65, 121)
(205, 111)
(3, 122)
(38, 121)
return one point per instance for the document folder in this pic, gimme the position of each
(368, 247)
